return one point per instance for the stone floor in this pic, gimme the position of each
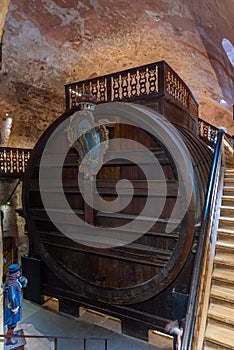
(39, 320)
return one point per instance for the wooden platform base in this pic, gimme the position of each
(20, 343)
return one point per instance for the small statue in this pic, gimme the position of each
(13, 300)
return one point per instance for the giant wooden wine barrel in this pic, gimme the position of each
(122, 235)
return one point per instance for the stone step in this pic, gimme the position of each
(229, 175)
(219, 335)
(227, 200)
(223, 275)
(229, 182)
(225, 245)
(213, 347)
(228, 191)
(228, 160)
(226, 222)
(229, 172)
(225, 234)
(224, 258)
(221, 313)
(222, 293)
(227, 211)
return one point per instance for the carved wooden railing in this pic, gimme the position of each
(209, 132)
(153, 80)
(13, 161)
(206, 245)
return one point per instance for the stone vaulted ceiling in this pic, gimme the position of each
(49, 43)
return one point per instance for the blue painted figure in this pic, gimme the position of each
(88, 136)
(13, 300)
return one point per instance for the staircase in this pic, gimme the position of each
(219, 333)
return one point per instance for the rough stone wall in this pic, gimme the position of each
(8, 207)
(13, 224)
(22, 238)
(4, 5)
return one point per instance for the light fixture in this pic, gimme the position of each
(223, 102)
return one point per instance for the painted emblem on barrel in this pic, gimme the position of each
(89, 138)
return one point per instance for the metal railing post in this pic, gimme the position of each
(55, 343)
(55, 339)
(84, 343)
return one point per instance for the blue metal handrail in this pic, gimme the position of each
(205, 224)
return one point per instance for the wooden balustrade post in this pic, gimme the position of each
(67, 97)
(109, 89)
(162, 78)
